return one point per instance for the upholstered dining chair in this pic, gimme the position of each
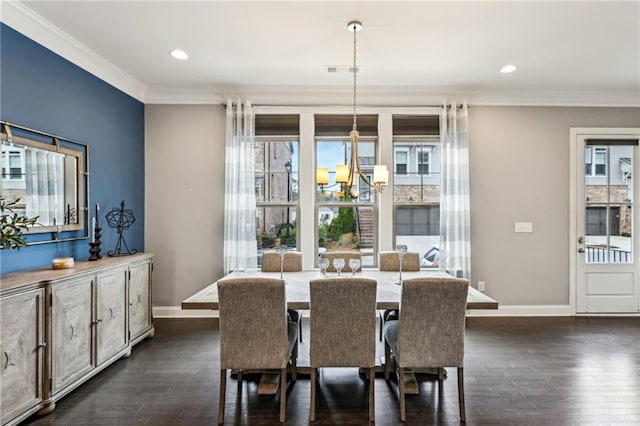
(254, 332)
(346, 255)
(343, 329)
(429, 332)
(292, 262)
(390, 261)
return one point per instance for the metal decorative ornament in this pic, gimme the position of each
(121, 219)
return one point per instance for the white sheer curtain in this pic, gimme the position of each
(44, 183)
(455, 226)
(240, 246)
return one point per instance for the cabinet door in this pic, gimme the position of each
(21, 354)
(111, 313)
(140, 298)
(71, 331)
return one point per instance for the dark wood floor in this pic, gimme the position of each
(518, 371)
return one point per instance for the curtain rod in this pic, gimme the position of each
(344, 106)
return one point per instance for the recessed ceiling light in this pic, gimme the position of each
(179, 54)
(508, 68)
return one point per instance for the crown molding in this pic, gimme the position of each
(392, 96)
(24, 20)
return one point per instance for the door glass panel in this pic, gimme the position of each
(608, 215)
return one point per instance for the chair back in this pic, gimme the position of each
(346, 255)
(431, 322)
(343, 322)
(390, 261)
(292, 262)
(253, 323)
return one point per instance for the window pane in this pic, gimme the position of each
(276, 171)
(276, 226)
(416, 196)
(347, 228)
(330, 153)
(609, 206)
(418, 228)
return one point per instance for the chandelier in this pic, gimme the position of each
(346, 174)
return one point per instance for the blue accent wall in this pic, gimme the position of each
(41, 90)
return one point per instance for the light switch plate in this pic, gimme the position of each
(524, 227)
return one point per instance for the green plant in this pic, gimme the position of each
(13, 225)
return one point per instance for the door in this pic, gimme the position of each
(605, 249)
(139, 299)
(111, 313)
(71, 331)
(21, 353)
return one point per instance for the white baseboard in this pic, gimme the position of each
(502, 311)
(522, 311)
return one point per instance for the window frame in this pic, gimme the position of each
(370, 201)
(421, 144)
(263, 175)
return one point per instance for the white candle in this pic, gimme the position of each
(93, 229)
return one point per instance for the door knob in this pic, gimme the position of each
(580, 250)
(580, 240)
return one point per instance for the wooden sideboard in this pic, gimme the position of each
(59, 328)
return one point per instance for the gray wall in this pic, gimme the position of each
(519, 172)
(184, 198)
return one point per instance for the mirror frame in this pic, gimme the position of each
(81, 175)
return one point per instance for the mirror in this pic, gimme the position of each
(46, 178)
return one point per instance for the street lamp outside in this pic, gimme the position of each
(287, 167)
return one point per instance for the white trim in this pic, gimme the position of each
(27, 22)
(522, 311)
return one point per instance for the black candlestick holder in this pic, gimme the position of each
(94, 248)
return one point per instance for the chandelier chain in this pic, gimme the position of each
(355, 72)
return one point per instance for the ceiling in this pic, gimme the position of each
(409, 53)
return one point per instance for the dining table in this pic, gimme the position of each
(297, 288)
(389, 290)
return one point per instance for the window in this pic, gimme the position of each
(423, 160)
(346, 216)
(12, 164)
(595, 161)
(420, 220)
(401, 163)
(416, 191)
(346, 219)
(276, 181)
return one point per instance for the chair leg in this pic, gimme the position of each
(387, 360)
(403, 411)
(300, 326)
(223, 391)
(440, 379)
(294, 363)
(372, 395)
(381, 324)
(312, 412)
(463, 416)
(239, 379)
(283, 394)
